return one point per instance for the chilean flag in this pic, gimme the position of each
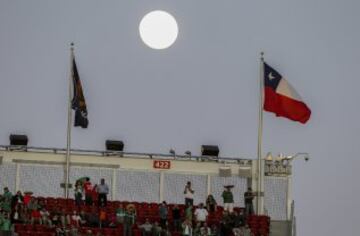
(281, 98)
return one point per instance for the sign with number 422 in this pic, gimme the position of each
(160, 164)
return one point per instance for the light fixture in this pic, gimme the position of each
(172, 152)
(188, 153)
(18, 140)
(210, 150)
(299, 154)
(114, 145)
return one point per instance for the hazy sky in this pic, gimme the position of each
(202, 90)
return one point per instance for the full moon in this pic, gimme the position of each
(158, 29)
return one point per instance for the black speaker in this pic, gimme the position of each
(21, 140)
(114, 145)
(209, 150)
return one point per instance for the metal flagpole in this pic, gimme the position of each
(260, 131)
(68, 143)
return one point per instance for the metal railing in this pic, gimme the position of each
(108, 153)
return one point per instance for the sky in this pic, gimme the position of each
(201, 90)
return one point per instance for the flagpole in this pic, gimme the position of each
(260, 132)
(68, 143)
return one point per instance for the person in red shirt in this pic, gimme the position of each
(27, 198)
(88, 192)
(36, 216)
(94, 193)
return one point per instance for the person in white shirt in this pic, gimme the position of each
(45, 217)
(205, 230)
(187, 228)
(103, 191)
(201, 213)
(189, 194)
(75, 219)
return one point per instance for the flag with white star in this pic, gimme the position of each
(281, 98)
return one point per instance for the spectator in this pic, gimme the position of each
(189, 194)
(205, 230)
(188, 212)
(103, 190)
(78, 193)
(94, 194)
(27, 198)
(246, 231)
(102, 217)
(237, 232)
(176, 215)
(214, 230)
(120, 214)
(187, 228)
(93, 218)
(18, 214)
(228, 199)
(201, 214)
(197, 229)
(18, 198)
(7, 199)
(83, 218)
(5, 224)
(129, 219)
(36, 216)
(64, 219)
(211, 203)
(156, 229)
(163, 213)
(225, 224)
(240, 219)
(55, 219)
(249, 196)
(45, 217)
(75, 219)
(112, 221)
(88, 192)
(146, 228)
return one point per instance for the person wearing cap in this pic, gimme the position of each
(228, 199)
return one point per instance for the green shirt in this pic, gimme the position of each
(188, 213)
(228, 197)
(130, 218)
(120, 212)
(5, 225)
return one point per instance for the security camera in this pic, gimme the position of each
(307, 158)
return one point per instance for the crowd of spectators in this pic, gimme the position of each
(187, 221)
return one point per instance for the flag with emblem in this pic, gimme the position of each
(281, 98)
(78, 101)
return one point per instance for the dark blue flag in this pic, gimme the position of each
(78, 101)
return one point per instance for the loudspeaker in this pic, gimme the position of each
(21, 140)
(209, 150)
(114, 145)
(225, 171)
